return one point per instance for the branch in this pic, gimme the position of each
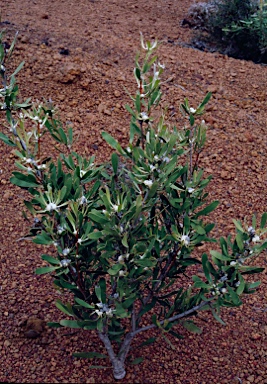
(173, 318)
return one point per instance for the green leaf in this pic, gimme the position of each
(98, 217)
(233, 295)
(112, 142)
(138, 103)
(129, 109)
(191, 327)
(124, 241)
(240, 241)
(205, 101)
(90, 355)
(63, 308)
(241, 286)
(208, 209)
(30, 207)
(136, 361)
(263, 220)
(219, 256)
(18, 69)
(206, 267)
(98, 292)
(53, 324)
(50, 259)
(43, 238)
(192, 119)
(238, 225)
(217, 317)
(6, 140)
(24, 181)
(43, 270)
(149, 341)
(83, 303)
(115, 162)
(95, 235)
(114, 269)
(253, 285)
(70, 323)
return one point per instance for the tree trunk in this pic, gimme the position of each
(118, 369)
(117, 362)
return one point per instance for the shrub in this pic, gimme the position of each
(237, 27)
(125, 233)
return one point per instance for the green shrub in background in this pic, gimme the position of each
(124, 234)
(237, 27)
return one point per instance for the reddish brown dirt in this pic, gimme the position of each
(102, 37)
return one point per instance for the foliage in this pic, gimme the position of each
(125, 233)
(238, 27)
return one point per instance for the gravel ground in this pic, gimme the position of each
(81, 54)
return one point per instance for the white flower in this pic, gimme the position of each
(224, 278)
(166, 159)
(99, 313)
(148, 183)
(233, 263)
(162, 66)
(65, 262)
(41, 166)
(154, 44)
(145, 45)
(156, 158)
(115, 207)
(109, 312)
(51, 207)
(122, 273)
(82, 173)
(144, 116)
(66, 251)
(256, 239)
(82, 200)
(79, 241)
(152, 167)
(185, 240)
(121, 259)
(237, 283)
(251, 231)
(223, 290)
(128, 149)
(192, 110)
(190, 190)
(60, 229)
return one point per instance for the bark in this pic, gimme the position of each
(118, 365)
(118, 361)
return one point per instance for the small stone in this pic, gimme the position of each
(117, 93)
(107, 112)
(212, 88)
(255, 336)
(34, 328)
(7, 343)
